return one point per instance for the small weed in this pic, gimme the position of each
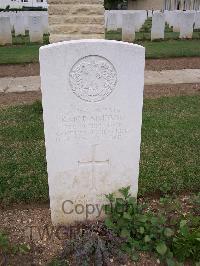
(7, 248)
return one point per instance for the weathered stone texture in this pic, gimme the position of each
(76, 19)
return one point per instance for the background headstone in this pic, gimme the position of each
(112, 21)
(19, 25)
(5, 30)
(197, 20)
(177, 21)
(45, 23)
(128, 27)
(35, 29)
(158, 26)
(186, 25)
(92, 102)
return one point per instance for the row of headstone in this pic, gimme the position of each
(114, 18)
(183, 22)
(37, 25)
(20, 20)
(132, 21)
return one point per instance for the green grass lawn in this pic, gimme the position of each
(170, 151)
(21, 51)
(29, 53)
(19, 54)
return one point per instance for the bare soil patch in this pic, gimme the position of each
(19, 70)
(19, 98)
(24, 70)
(173, 63)
(31, 225)
(150, 91)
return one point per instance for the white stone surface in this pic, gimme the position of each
(186, 25)
(113, 18)
(45, 23)
(177, 21)
(149, 13)
(158, 26)
(19, 25)
(197, 20)
(128, 27)
(35, 29)
(112, 21)
(92, 94)
(5, 30)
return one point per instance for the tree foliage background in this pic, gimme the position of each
(114, 4)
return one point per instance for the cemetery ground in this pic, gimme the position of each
(168, 183)
(28, 53)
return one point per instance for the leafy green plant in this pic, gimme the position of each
(4, 242)
(143, 231)
(146, 231)
(7, 248)
(186, 245)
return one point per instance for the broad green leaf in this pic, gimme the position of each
(147, 239)
(168, 232)
(125, 233)
(183, 223)
(141, 230)
(109, 223)
(132, 200)
(161, 248)
(170, 262)
(142, 218)
(23, 249)
(127, 216)
(154, 220)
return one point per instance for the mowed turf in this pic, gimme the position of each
(170, 150)
(29, 53)
(19, 54)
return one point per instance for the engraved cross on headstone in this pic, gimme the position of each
(93, 162)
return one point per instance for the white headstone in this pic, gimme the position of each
(186, 25)
(92, 103)
(128, 27)
(45, 23)
(149, 13)
(177, 21)
(111, 21)
(158, 26)
(35, 29)
(19, 25)
(26, 19)
(5, 30)
(197, 20)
